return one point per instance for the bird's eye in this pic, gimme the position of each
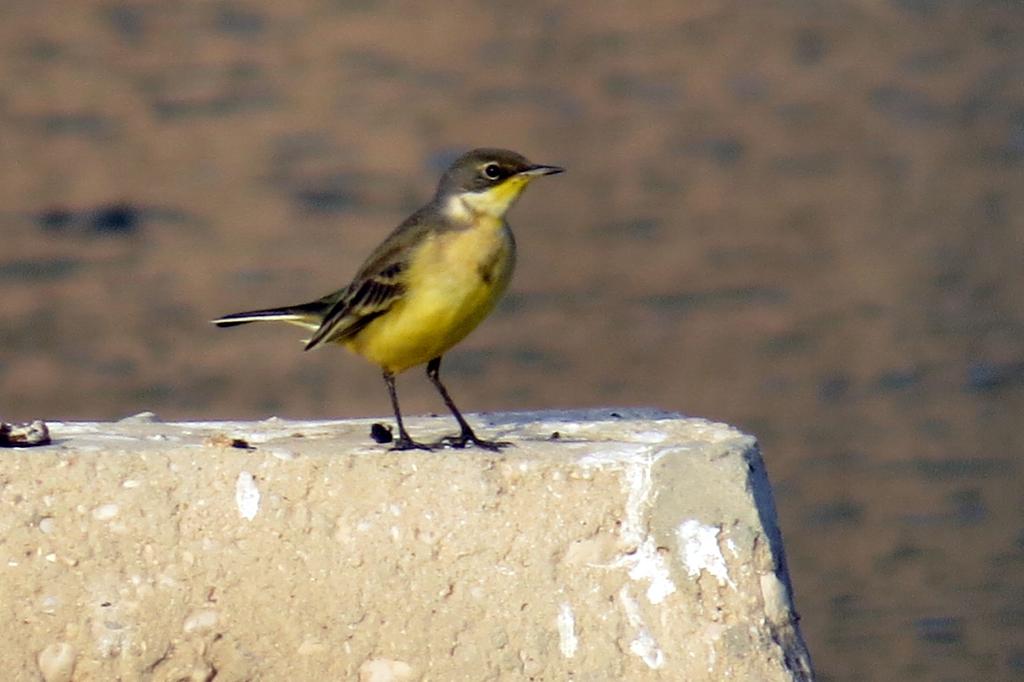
(492, 171)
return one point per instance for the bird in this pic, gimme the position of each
(427, 285)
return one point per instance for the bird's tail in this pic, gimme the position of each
(308, 315)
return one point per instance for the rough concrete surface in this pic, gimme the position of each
(601, 546)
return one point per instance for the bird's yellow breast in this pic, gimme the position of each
(453, 281)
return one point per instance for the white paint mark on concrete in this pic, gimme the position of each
(643, 644)
(567, 640)
(648, 564)
(644, 562)
(247, 496)
(698, 546)
(621, 454)
(651, 436)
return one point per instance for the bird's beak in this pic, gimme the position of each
(534, 171)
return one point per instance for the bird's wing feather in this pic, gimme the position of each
(379, 283)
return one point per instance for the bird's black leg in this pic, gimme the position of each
(403, 442)
(466, 436)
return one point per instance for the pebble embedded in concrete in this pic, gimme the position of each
(57, 662)
(385, 670)
(105, 512)
(202, 620)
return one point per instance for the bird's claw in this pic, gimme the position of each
(407, 443)
(463, 439)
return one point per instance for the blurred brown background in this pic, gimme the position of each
(802, 218)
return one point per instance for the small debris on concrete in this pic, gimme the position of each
(225, 441)
(381, 433)
(27, 435)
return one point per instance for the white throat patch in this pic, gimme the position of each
(492, 203)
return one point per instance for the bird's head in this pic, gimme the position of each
(487, 181)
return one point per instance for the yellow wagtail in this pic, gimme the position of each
(429, 284)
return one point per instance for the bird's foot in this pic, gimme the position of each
(469, 438)
(407, 443)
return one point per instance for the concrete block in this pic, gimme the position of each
(602, 546)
